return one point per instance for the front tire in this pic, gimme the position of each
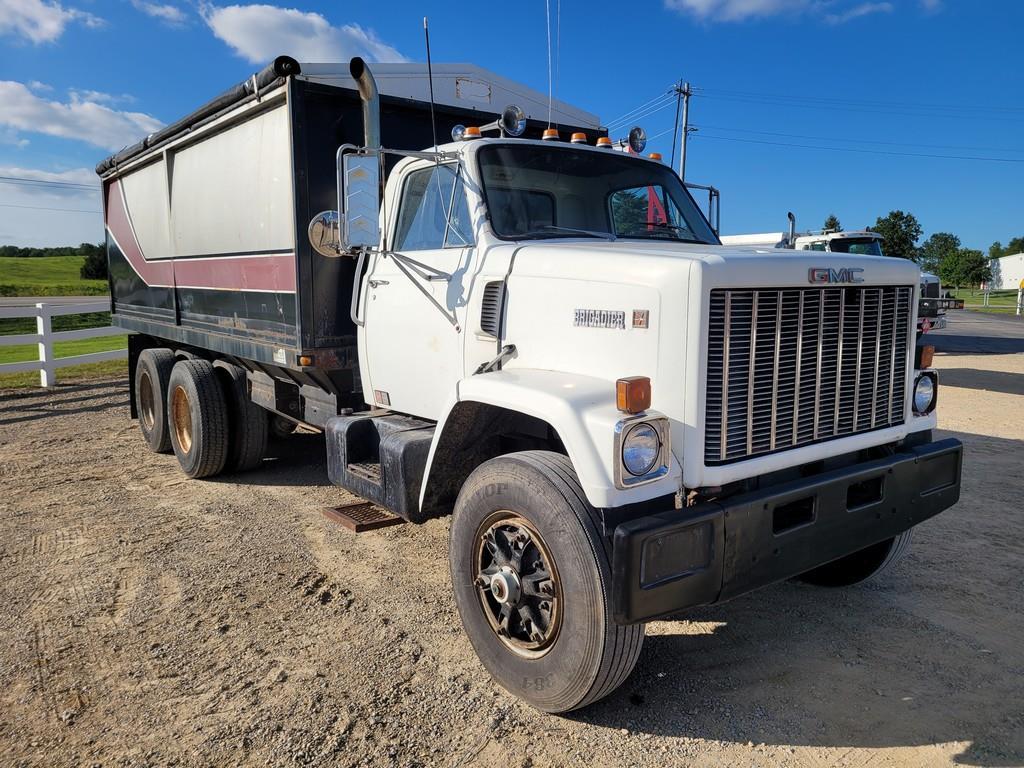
(198, 417)
(532, 581)
(860, 566)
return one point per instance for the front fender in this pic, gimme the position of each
(581, 409)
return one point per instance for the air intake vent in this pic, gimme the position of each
(490, 311)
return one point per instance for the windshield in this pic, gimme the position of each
(536, 192)
(865, 246)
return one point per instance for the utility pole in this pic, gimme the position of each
(685, 94)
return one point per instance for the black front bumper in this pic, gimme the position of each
(664, 563)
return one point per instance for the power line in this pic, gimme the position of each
(973, 109)
(46, 182)
(666, 97)
(864, 151)
(42, 208)
(863, 141)
(799, 103)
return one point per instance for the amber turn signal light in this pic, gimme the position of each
(633, 394)
(925, 353)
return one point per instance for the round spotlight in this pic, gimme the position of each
(637, 139)
(458, 133)
(513, 120)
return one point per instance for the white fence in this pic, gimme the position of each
(44, 336)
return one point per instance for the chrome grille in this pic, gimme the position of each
(793, 366)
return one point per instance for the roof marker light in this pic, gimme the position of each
(550, 134)
(604, 142)
(579, 138)
(655, 156)
(471, 132)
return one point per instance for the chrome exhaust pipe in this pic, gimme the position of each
(792, 229)
(371, 101)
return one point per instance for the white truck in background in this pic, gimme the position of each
(544, 340)
(931, 309)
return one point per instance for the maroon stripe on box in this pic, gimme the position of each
(271, 272)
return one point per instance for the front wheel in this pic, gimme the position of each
(532, 583)
(859, 566)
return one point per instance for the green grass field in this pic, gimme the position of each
(73, 374)
(23, 352)
(998, 301)
(46, 276)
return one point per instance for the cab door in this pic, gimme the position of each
(416, 295)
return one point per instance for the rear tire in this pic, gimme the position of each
(152, 372)
(247, 422)
(522, 536)
(860, 566)
(198, 418)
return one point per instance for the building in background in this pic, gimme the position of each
(1007, 272)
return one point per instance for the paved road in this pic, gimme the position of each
(979, 333)
(31, 301)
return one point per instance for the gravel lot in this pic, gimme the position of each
(151, 620)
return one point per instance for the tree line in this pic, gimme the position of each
(941, 253)
(94, 267)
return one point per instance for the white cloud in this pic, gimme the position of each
(258, 33)
(931, 6)
(864, 9)
(737, 10)
(61, 213)
(57, 184)
(830, 11)
(82, 119)
(169, 14)
(79, 95)
(39, 21)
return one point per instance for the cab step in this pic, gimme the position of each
(361, 516)
(380, 456)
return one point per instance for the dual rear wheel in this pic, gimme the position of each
(201, 411)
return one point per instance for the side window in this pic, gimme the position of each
(423, 222)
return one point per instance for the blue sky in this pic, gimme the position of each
(884, 86)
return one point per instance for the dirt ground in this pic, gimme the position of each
(150, 620)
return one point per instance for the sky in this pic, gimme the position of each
(812, 106)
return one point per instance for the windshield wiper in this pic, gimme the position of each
(663, 229)
(550, 230)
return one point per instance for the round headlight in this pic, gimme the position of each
(640, 449)
(924, 394)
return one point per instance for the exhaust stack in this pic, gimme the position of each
(371, 101)
(792, 228)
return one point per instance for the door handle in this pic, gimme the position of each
(376, 283)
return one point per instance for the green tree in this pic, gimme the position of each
(1016, 245)
(95, 266)
(965, 266)
(936, 249)
(900, 232)
(832, 223)
(996, 250)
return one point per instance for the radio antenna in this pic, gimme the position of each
(430, 81)
(547, 18)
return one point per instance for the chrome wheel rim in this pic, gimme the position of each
(517, 584)
(181, 416)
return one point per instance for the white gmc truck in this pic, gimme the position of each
(545, 340)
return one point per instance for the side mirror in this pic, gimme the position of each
(359, 199)
(323, 234)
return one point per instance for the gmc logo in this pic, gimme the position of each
(828, 275)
